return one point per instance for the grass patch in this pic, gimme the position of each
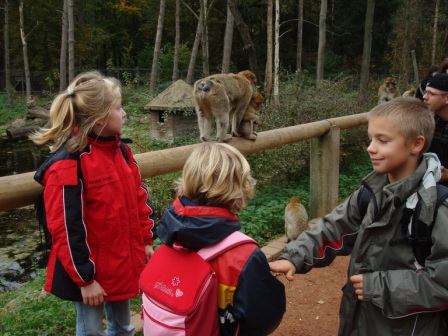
(8, 114)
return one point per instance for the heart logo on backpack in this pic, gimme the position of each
(179, 292)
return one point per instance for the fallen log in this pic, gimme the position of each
(37, 112)
(15, 134)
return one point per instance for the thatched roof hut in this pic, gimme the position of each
(172, 112)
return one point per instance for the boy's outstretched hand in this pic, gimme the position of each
(357, 285)
(283, 266)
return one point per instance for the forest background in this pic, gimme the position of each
(149, 42)
(318, 60)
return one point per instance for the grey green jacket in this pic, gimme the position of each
(400, 297)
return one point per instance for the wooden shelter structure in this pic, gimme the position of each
(172, 113)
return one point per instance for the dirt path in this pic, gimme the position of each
(313, 301)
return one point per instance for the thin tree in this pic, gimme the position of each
(228, 39)
(322, 41)
(204, 37)
(245, 35)
(194, 52)
(365, 64)
(176, 44)
(7, 56)
(299, 39)
(63, 56)
(276, 51)
(157, 45)
(406, 59)
(25, 52)
(269, 44)
(434, 36)
(71, 41)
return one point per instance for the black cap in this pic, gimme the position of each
(439, 81)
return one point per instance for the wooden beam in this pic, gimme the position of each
(21, 190)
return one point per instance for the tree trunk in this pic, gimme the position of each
(63, 56)
(14, 134)
(9, 89)
(176, 44)
(194, 53)
(406, 59)
(71, 41)
(322, 41)
(434, 36)
(277, 50)
(37, 112)
(204, 38)
(299, 39)
(157, 45)
(25, 53)
(244, 31)
(269, 44)
(365, 65)
(228, 39)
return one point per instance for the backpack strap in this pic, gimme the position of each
(232, 240)
(365, 195)
(420, 239)
(442, 195)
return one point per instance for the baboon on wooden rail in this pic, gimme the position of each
(224, 97)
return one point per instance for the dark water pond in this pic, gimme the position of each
(20, 239)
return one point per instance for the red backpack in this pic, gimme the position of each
(180, 289)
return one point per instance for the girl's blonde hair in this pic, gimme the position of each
(413, 117)
(74, 112)
(216, 174)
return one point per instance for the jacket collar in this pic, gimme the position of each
(195, 227)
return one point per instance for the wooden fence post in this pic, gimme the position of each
(324, 173)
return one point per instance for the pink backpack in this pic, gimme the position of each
(180, 289)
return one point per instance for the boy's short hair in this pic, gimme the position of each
(412, 116)
(216, 174)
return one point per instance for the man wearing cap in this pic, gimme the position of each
(436, 97)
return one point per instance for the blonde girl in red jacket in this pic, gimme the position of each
(97, 208)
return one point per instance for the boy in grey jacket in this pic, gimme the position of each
(388, 292)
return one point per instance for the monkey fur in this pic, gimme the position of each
(388, 90)
(296, 218)
(410, 93)
(224, 97)
(248, 126)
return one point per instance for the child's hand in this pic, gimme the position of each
(357, 285)
(283, 266)
(93, 294)
(149, 251)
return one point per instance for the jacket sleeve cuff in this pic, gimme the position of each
(86, 283)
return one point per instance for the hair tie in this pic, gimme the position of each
(70, 93)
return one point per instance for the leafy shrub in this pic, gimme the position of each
(300, 103)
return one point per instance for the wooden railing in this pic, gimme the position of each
(21, 190)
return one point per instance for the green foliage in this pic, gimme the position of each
(9, 114)
(300, 103)
(263, 218)
(30, 311)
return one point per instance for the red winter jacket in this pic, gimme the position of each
(100, 220)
